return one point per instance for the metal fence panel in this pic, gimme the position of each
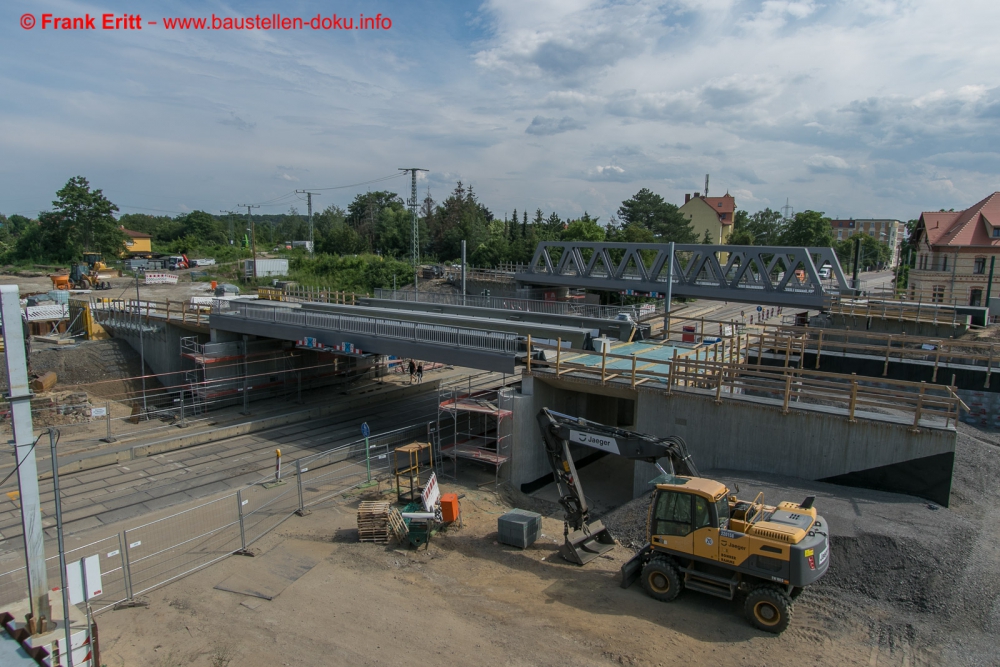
(264, 507)
(168, 548)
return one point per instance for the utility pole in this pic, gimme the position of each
(253, 239)
(142, 349)
(24, 458)
(309, 204)
(232, 239)
(415, 233)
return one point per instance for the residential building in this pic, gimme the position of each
(710, 214)
(138, 243)
(956, 251)
(892, 232)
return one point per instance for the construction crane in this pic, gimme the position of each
(698, 536)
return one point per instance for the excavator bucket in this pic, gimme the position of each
(583, 546)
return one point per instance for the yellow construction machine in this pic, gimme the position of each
(699, 536)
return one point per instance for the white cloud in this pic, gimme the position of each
(567, 104)
(826, 163)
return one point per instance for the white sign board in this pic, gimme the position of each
(75, 575)
(160, 278)
(98, 412)
(431, 494)
(601, 442)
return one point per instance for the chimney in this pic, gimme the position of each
(687, 197)
(697, 194)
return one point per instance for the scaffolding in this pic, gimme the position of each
(474, 426)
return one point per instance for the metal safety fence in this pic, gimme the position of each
(140, 559)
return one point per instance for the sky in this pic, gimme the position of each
(858, 108)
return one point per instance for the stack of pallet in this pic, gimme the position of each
(373, 521)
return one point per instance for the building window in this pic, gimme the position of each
(944, 263)
(996, 232)
(938, 294)
(840, 234)
(979, 266)
(975, 297)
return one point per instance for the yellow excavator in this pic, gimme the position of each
(699, 536)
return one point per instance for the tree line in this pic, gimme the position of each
(378, 223)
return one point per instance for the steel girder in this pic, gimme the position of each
(773, 275)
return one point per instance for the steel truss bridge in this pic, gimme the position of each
(770, 275)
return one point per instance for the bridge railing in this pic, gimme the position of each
(490, 341)
(728, 377)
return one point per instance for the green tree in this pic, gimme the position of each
(203, 227)
(657, 215)
(461, 216)
(584, 229)
(808, 229)
(707, 238)
(85, 220)
(764, 227)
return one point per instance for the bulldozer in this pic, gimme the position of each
(699, 535)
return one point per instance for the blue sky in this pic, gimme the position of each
(861, 108)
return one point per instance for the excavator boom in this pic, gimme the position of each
(586, 540)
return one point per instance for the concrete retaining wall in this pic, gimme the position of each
(162, 349)
(752, 434)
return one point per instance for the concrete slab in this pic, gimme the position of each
(99, 475)
(208, 489)
(126, 499)
(90, 510)
(170, 500)
(122, 513)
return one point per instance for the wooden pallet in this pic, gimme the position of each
(397, 525)
(373, 521)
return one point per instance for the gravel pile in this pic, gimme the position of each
(627, 523)
(916, 573)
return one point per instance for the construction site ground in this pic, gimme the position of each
(908, 585)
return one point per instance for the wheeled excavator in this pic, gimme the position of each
(699, 536)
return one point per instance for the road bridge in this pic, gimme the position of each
(457, 345)
(767, 275)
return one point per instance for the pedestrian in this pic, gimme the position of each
(413, 370)
(420, 373)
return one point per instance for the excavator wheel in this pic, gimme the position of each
(768, 609)
(661, 580)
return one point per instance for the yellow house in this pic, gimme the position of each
(710, 214)
(138, 243)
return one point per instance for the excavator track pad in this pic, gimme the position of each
(583, 546)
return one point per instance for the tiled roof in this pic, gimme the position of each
(723, 206)
(971, 227)
(136, 235)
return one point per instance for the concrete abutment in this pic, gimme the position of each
(752, 434)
